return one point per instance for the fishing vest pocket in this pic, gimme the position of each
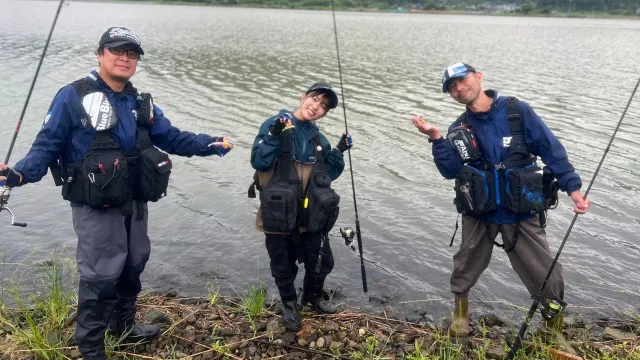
(320, 208)
(279, 202)
(524, 190)
(72, 188)
(105, 178)
(475, 191)
(154, 169)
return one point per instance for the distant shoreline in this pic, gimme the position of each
(574, 15)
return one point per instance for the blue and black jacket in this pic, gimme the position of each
(64, 135)
(493, 134)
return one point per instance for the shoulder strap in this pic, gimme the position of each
(513, 115)
(318, 144)
(145, 119)
(519, 154)
(461, 120)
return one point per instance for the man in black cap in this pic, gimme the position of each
(491, 151)
(101, 138)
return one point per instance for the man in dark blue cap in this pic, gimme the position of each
(491, 151)
(101, 138)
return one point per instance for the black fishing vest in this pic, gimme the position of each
(516, 184)
(108, 177)
(284, 207)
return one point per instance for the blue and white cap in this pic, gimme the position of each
(456, 70)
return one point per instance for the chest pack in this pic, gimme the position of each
(517, 184)
(107, 176)
(321, 203)
(284, 206)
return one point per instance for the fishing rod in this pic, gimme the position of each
(539, 298)
(347, 232)
(5, 191)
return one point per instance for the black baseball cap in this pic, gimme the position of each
(325, 89)
(456, 70)
(119, 36)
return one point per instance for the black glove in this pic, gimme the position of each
(345, 143)
(279, 124)
(13, 177)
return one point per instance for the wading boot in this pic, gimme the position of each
(551, 333)
(138, 332)
(312, 295)
(122, 323)
(290, 316)
(460, 325)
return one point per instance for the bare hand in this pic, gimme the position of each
(425, 127)
(582, 204)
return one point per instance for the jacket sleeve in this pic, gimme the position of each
(445, 158)
(541, 142)
(174, 141)
(266, 148)
(333, 159)
(51, 140)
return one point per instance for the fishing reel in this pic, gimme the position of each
(348, 234)
(549, 308)
(5, 193)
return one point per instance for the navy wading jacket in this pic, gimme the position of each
(493, 134)
(266, 148)
(64, 134)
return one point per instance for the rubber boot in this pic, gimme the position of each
(460, 324)
(551, 331)
(122, 322)
(312, 295)
(290, 316)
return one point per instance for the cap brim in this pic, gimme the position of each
(445, 85)
(120, 43)
(333, 97)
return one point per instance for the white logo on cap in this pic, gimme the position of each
(456, 69)
(124, 33)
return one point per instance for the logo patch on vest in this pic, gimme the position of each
(99, 110)
(506, 141)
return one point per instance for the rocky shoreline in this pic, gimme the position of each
(217, 327)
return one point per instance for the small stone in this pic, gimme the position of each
(302, 342)
(312, 337)
(253, 350)
(157, 317)
(320, 343)
(613, 334)
(331, 326)
(312, 345)
(362, 332)
(337, 345)
(171, 294)
(275, 328)
(491, 320)
(496, 353)
(75, 354)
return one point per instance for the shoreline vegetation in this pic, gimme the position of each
(38, 323)
(526, 10)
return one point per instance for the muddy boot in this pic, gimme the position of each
(290, 316)
(312, 295)
(551, 333)
(460, 325)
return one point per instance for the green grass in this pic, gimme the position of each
(40, 320)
